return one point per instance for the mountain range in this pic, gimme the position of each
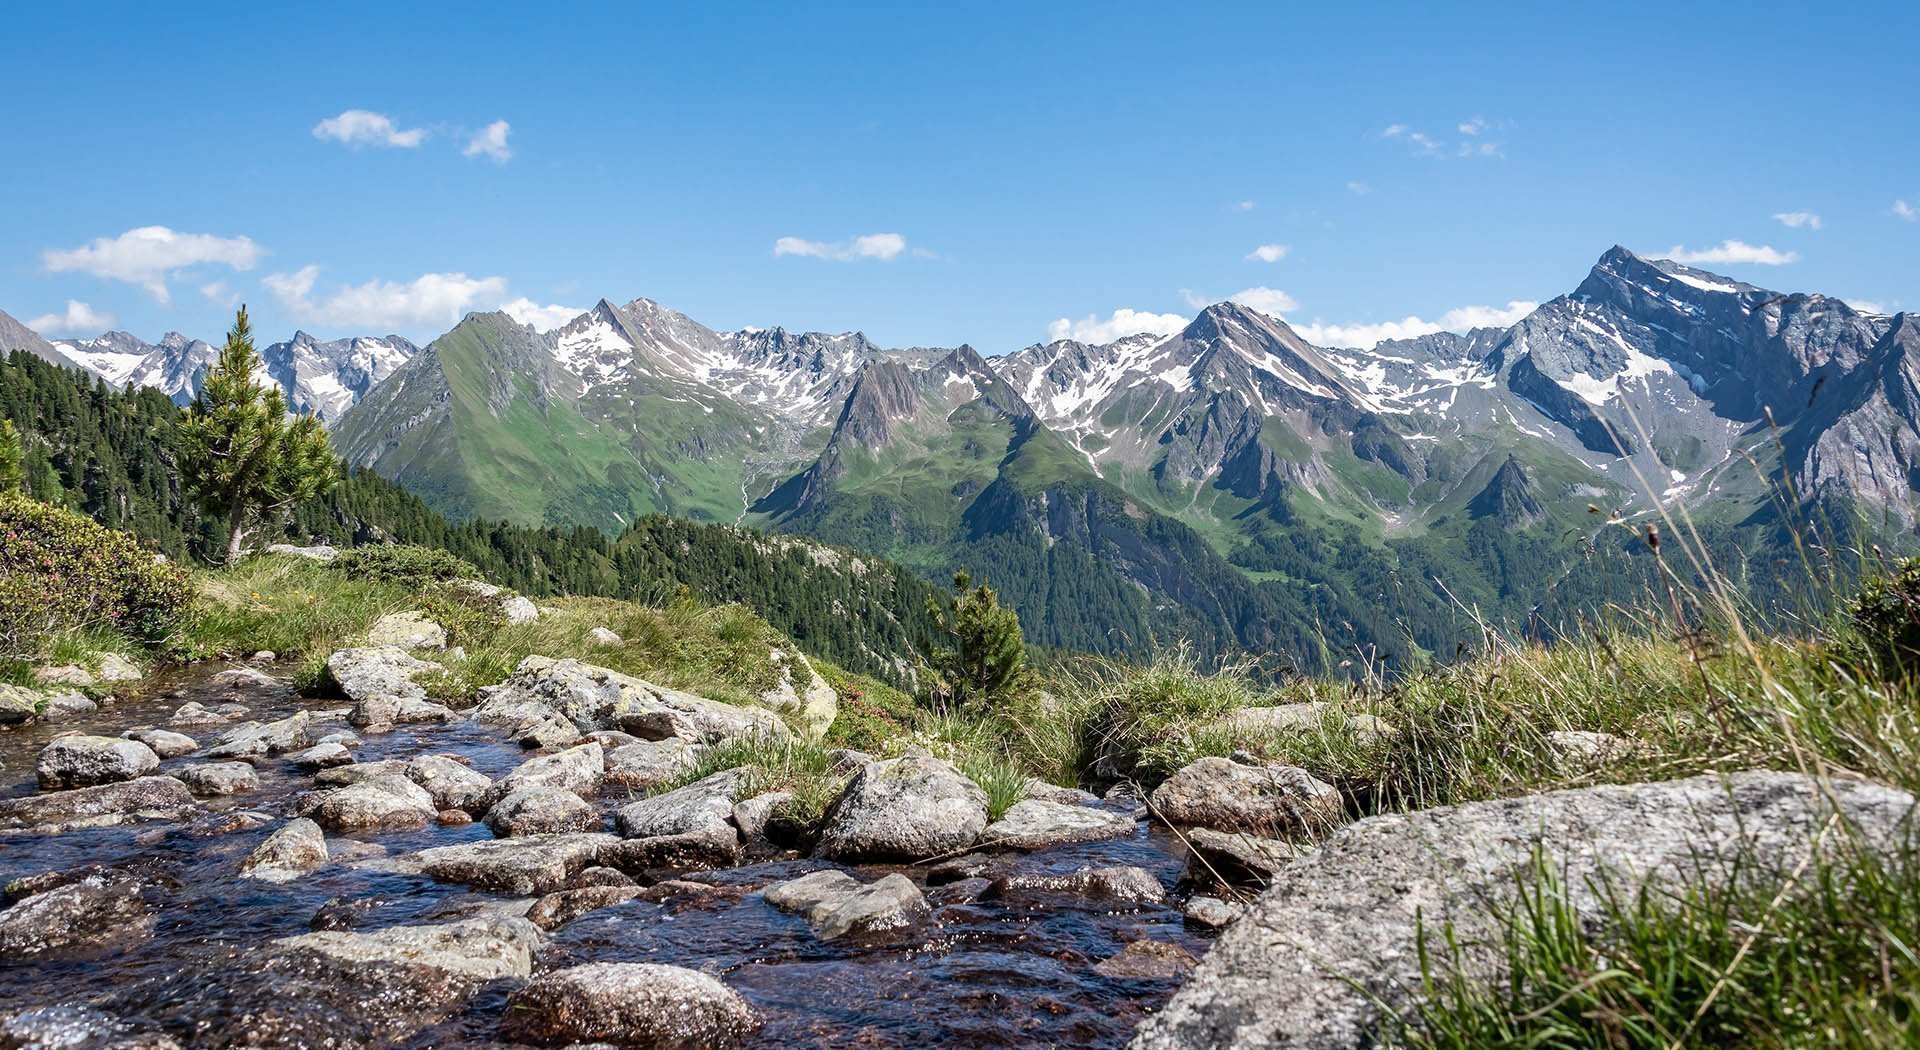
(1231, 483)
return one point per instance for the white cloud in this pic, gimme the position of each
(490, 142)
(1473, 127)
(361, 127)
(1425, 145)
(1906, 211)
(430, 299)
(1733, 252)
(218, 292)
(146, 256)
(542, 318)
(1124, 322)
(1868, 306)
(1459, 319)
(1797, 219)
(1360, 188)
(1266, 300)
(1243, 206)
(1268, 253)
(79, 319)
(882, 246)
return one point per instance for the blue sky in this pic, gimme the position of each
(979, 175)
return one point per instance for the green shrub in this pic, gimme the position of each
(61, 572)
(403, 564)
(1886, 612)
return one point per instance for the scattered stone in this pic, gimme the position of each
(1327, 953)
(551, 731)
(689, 825)
(1236, 858)
(381, 803)
(837, 904)
(903, 809)
(1579, 751)
(165, 743)
(406, 630)
(577, 769)
(600, 636)
(595, 698)
(1066, 796)
(451, 783)
(252, 740)
(87, 761)
(193, 713)
(541, 811)
(298, 847)
(518, 609)
(630, 1004)
(647, 764)
(1211, 911)
(322, 756)
(247, 682)
(341, 776)
(563, 906)
(377, 679)
(969, 866)
(264, 656)
(317, 552)
(90, 913)
(1037, 823)
(18, 704)
(751, 815)
(524, 865)
(218, 778)
(148, 798)
(1120, 885)
(65, 707)
(64, 674)
(1265, 800)
(1148, 960)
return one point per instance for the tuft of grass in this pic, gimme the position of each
(1724, 959)
(1003, 779)
(793, 764)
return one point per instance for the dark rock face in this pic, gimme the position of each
(1508, 498)
(147, 798)
(904, 809)
(92, 913)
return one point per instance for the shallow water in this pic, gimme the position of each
(994, 973)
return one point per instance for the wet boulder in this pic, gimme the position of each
(165, 743)
(379, 680)
(629, 1004)
(452, 783)
(297, 847)
(541, 811)
(1236, 858)
(254, 740)
(523, 865)
(647, 764)
(147, 798)
(1225, 795)
(18, 704)
(1116, 885)
(194, 713)
(903, 809)
(1148, 960)
(91, 913)
(1037, 823)
(838, 905)
(380, 804)
(218, 778)
(691, 825)
(563, 906)
(322, 756)
(88, 761)
(68, 707)
(1331, 950)
(577, 769)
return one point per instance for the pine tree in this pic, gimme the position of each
(981, 655)
(244, 460)
(13, 458)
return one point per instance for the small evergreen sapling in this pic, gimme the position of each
(243, 459)
(980, 655)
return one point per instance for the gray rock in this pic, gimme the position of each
(116, 667)
(815, 705)
(563, 906)
(318, 552)
(1148, 960)
(90, 913)
(1264, 800)
(243, 683)
(251, 740)
(1311, 718)
(630, 1004)
(18, 704)
(541, 811)
(594, 698)
(650, 763)
(87, 761)
(1331, 946)
(381, 803)
(1211, 911)
(1235, 858)
(218, 778)
(148, 798)
(165, 743)
(322, 756)
(577, 769)
(1066, 796)
(298, 847)
(194, 713)
(689, 825)
(1579, 751)
(838, 905)
(751, 815)
(354, 773)
(451, 783)
(903, 809)
(551, 731)
(600, 636)
(406, 630)
(1120, 885)
(377, 679)
(66, 707)
(64, 674)
(1037, 823)
(518, 609)
(525, 865)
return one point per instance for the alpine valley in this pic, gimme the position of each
(1229, 484)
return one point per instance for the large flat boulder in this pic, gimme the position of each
(541, 811)
(688, 826)
(1273, 801)
(838, 905)
(521, 866)
(384, 803)
(629, 1004)
(92, 913)
(88, 761)
(595, 698)
(1036, 823)
(903, 809)
(147, 798)
(1332, 946)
